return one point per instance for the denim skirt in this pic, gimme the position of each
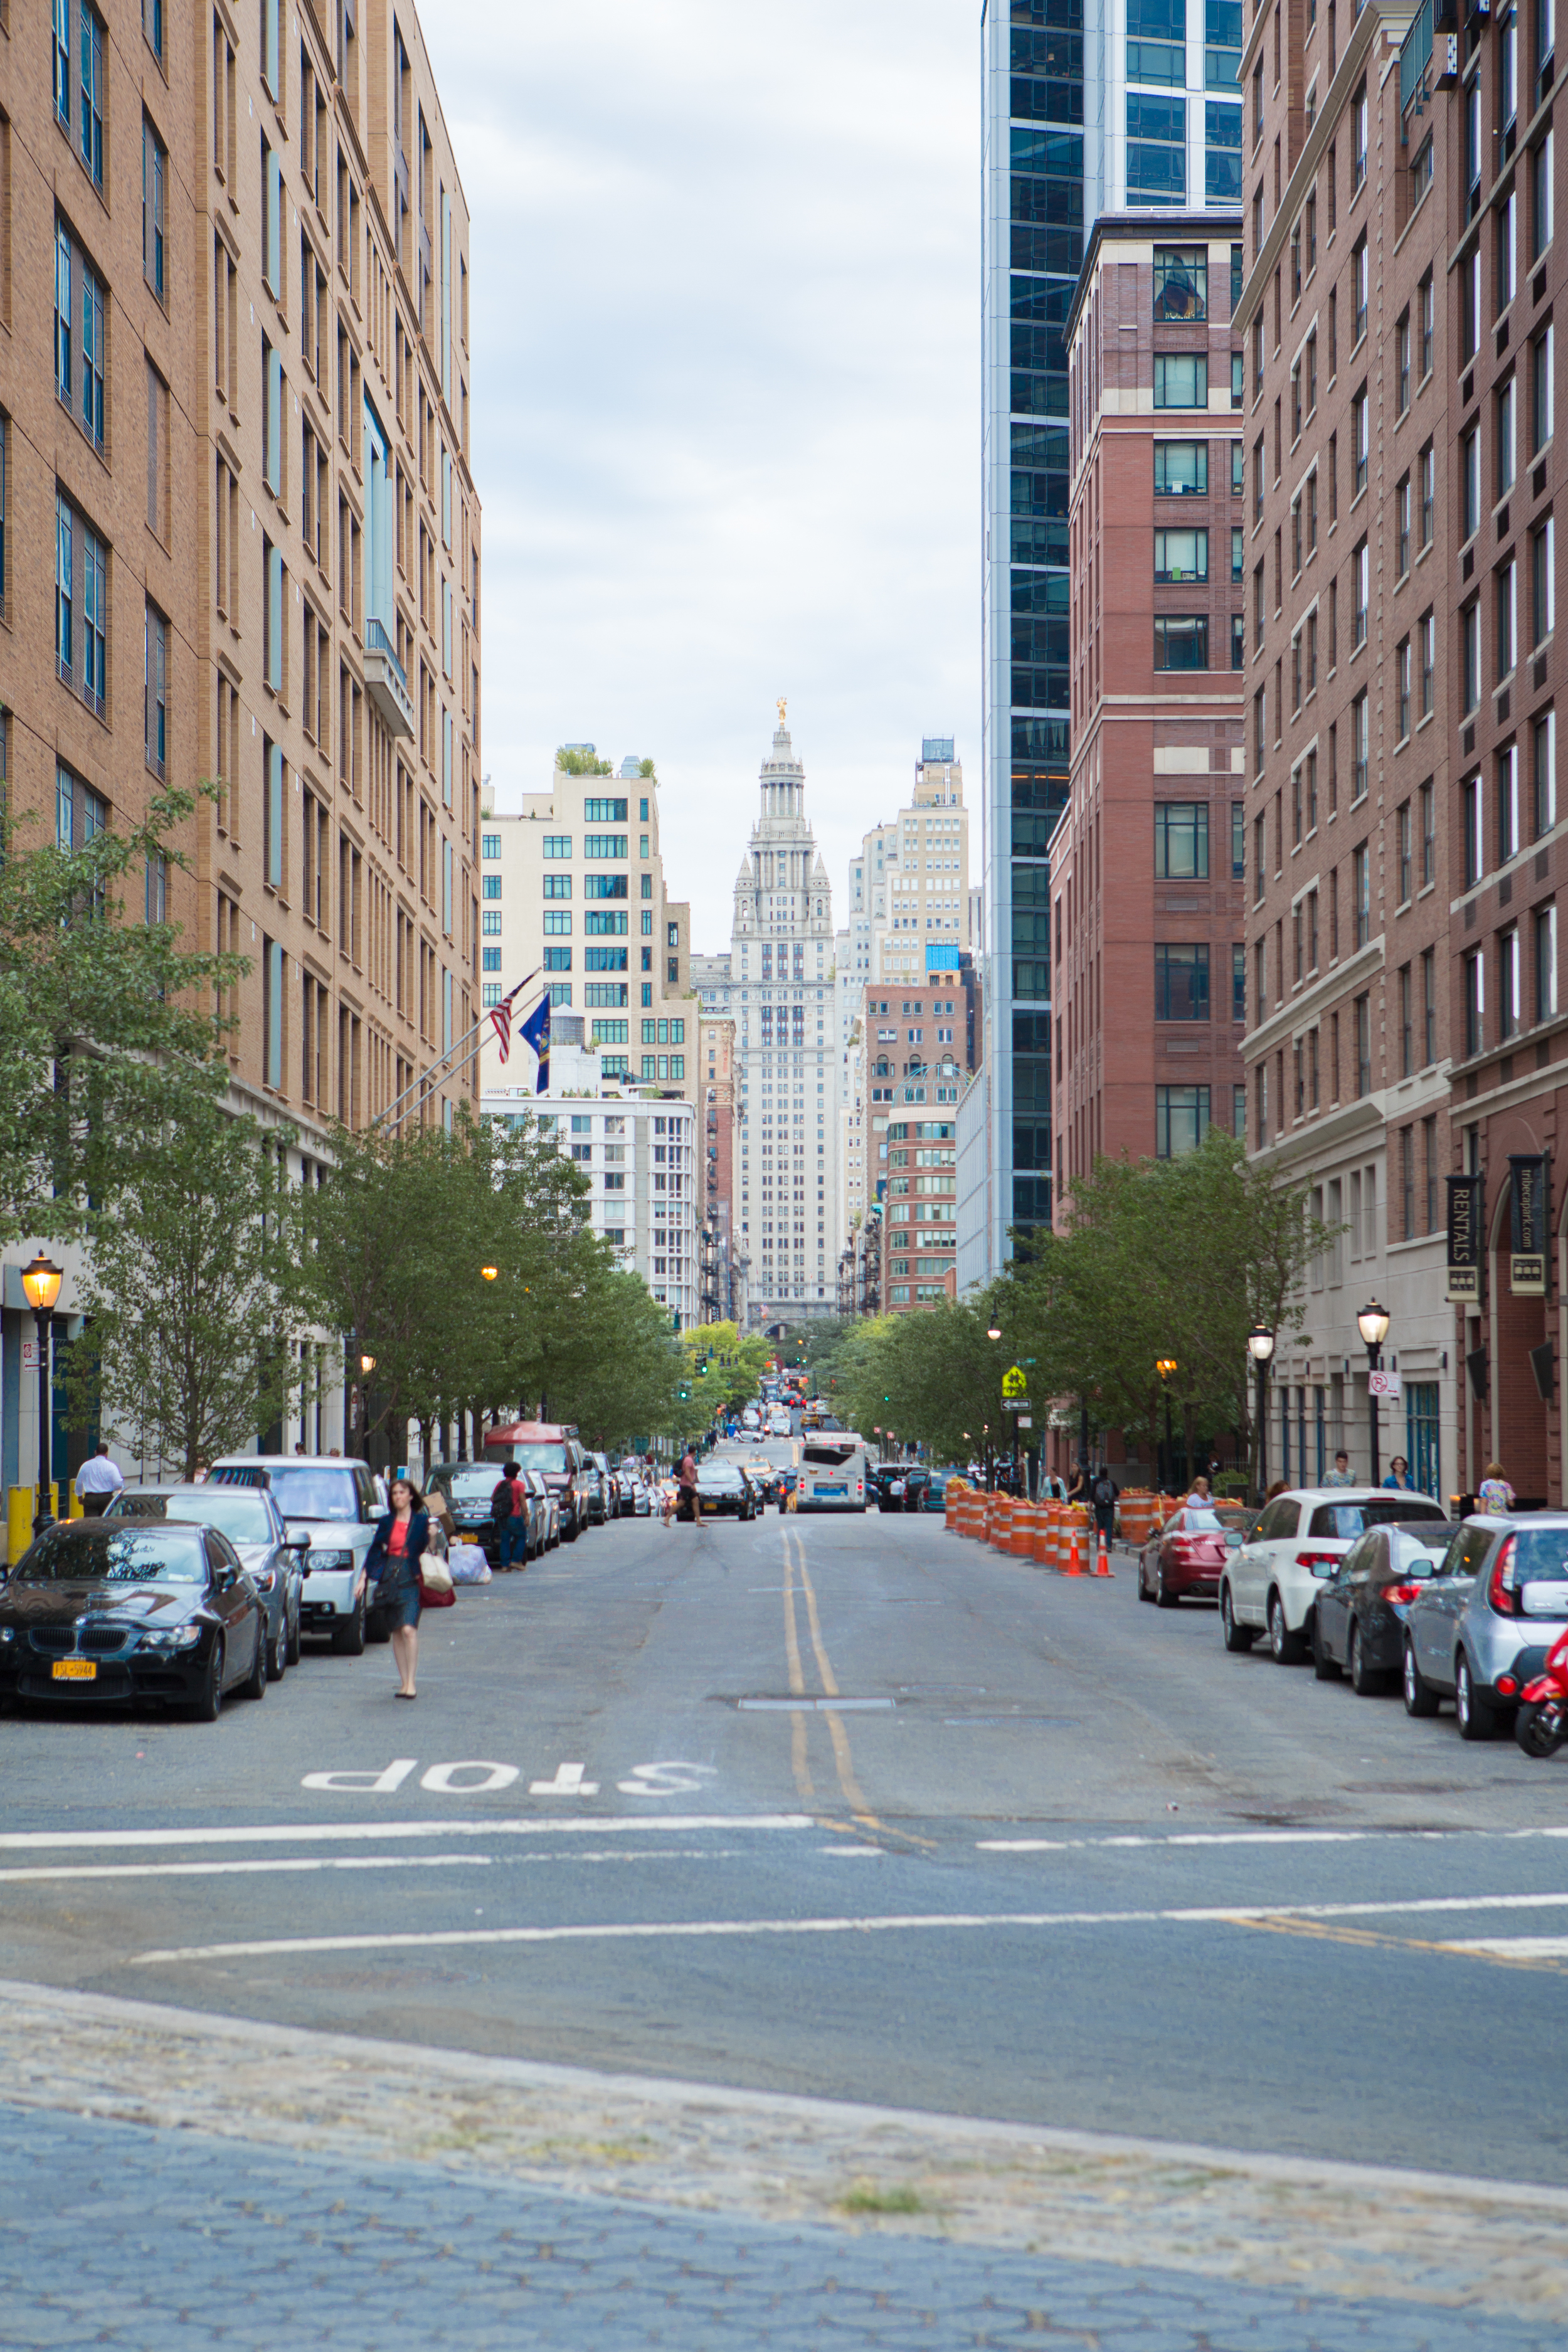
(398, 1597)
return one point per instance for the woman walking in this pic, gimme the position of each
(1496, 1499)
(402, 1538)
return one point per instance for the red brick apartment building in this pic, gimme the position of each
(919, 1047)
(1149, 928)
(1350, 322)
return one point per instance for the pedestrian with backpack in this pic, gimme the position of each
(510, 1512)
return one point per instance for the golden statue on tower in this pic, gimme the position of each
(783, 705)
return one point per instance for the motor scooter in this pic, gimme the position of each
(1541, 1726)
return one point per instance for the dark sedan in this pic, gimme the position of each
(1184, 1558)
(249, 1517)
(467, 1487)
(722, 1490)
(115, 1610)
(1359, 1623)
(899, 1485)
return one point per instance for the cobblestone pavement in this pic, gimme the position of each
(149, 2240)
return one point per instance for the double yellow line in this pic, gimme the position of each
(844, 1762)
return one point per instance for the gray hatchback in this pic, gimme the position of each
(1481, 1624)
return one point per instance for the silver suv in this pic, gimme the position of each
(1482, 1622)
(335, 1503)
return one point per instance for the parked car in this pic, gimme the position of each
(779, 1423)
(934, 1497)
(1183, 1560)
(596, 1469)
(890, 1481)
(722, 1491)
(1359, 1624)
(271, 1558)
(104, 1610)
(1481, 1624)
(467, 1487)
(1271, 1583)
(635, 1496)
(334, 1503)
(544, 1514)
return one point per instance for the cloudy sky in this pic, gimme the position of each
(726, 397)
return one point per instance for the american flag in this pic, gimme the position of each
(501, 1017)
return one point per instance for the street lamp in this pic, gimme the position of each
(41, 1286)
(1166, 1366)
(1373, 1325)
(1260, 1348)
(994, 1332)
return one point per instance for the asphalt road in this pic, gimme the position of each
(846, 1807)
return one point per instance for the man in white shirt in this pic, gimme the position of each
(95, 1482)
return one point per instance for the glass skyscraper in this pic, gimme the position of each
(1091, 106)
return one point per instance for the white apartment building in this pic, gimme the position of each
(573, 888)
(638, 1152)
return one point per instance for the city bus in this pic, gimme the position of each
(832, 1473)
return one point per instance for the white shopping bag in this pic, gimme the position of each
(469, 1564)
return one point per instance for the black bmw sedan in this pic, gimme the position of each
(721, 1489)
(117, 1609)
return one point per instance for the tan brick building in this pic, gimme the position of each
(235, 379)
(240, 534)
(1148, 926)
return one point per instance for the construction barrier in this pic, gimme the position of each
(1025, 1520)
(1043, 1536)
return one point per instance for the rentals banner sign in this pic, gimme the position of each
(1467, 1217)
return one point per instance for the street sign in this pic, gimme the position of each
(1383, 1384)
(1014, 1383)
(1016, 1404)
(1024, 1422)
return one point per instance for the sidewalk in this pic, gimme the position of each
(156, 2240)
(175, 2178)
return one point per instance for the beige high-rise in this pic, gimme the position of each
(241, 538)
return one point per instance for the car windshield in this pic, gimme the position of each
(117, 1554)
(316, 1494)
(1347, 1520)
(470, 1482)
(240, 1512)
(1541, 1556)
(538, 1457)
(718, 1473)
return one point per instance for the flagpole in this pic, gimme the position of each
(427, 1076)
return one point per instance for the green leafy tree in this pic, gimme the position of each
(191, 1348)
(108, 1037)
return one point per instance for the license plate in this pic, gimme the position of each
(825, 1492)
(76, 1670)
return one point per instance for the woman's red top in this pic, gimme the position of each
(397, 1541)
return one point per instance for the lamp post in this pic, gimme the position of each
(366, 1366)
(1373, 1325)
(1166, 1366)
(1260, 1348)
(41, 1285)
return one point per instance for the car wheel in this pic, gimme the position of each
(278, 1651)
(1289, 1649)
(294, 1640)
(348, 1641)
(254, 1683)
(1326, 1669)
(208, 1706)
(1163, 1597)
(1541, 1729)
(1366, 1680)
(1237, 1637)
(1420, 1699)
(1476, 1719)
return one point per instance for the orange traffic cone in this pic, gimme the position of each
(1074, 1566)
(1102, 1565)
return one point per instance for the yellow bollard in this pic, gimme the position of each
(76, 1508)
(21, 1503)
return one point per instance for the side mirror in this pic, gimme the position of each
(224, 1579)
(301, 1544)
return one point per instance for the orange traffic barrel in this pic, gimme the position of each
(1042, 1537)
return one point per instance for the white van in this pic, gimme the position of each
(334, 1503)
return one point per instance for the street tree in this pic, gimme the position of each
(192, 1347)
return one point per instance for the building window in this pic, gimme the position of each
(1541, 193)
(1474, 1003)
(1360, 593)
(1181, 642)
(1428, 1008)
(1363, 1045)
(1470, 658)
(1181, 1120)
(1359, 429)
(1358, 291)
(1358, 138)
(1361, 894)
(1544, 782)
(1181, 556)
(1507, 453)
(490, 845)
(1427, 635)
(1359, 770)
(1543, 583)
(154, 175)
(1181, 981)
(90, 120)
(1508, 982)
(1181, 841)
(1181, 283)
(1546, 962)
(1508, 830)
(1238, 982)
(155, 667)
(1474, 846)
(1181, 379)
(1402, 676)
(557, 845)
(1507, 618)
(1407, 842)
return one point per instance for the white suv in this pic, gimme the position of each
(1270, 1585)
(336, 1505)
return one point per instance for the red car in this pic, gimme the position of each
(1185, 1557)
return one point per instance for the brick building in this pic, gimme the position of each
(1350, 317)
(1148, 929)
(234, 444)
(917, 1048)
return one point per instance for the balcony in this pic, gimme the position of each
(385, 682)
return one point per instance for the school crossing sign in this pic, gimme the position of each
(1015, 1390)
